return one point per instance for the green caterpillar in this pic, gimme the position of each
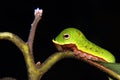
(73, 39)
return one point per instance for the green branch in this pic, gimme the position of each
(53, 59)
(23, 47)
(15, 39)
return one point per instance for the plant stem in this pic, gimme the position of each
(15, 39)
(24, 49)
(53, 59)
(38, 16)
(46, 65)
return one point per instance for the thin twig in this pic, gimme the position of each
(38, 15)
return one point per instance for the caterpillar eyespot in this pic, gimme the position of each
(66, 36)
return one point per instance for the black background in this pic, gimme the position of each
(97, 19)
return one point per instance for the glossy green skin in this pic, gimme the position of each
(77, 38)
